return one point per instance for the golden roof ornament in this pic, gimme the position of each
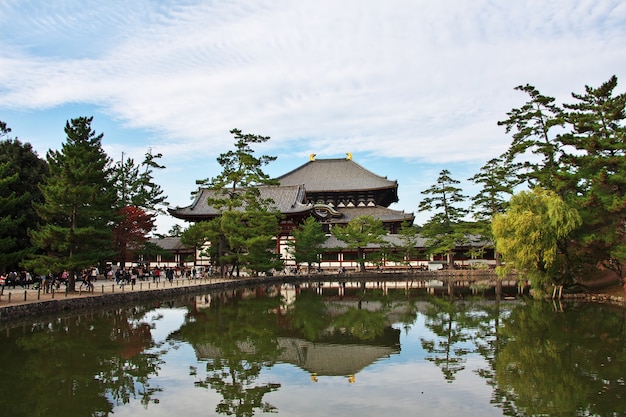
(312, 157)
(349, 156)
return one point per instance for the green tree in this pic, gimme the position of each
(78, 210)
(135, 184)
(21, 171)
(306, 247)
(406, 248)
(533, 234)
(498, 180)
(195, 235)
(139, 200)
(359, 233)
(445, 230)
(248, 224)
(10, 219)
(536, 126)
(598, 172)
(175, 231)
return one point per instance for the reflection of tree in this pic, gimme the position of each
(309, 315)
(75, 366)
(362, 324)
(241, 338)
(451, 322)
(561, 363)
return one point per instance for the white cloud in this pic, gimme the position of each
(418, 81)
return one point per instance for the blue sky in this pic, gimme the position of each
(408, 87)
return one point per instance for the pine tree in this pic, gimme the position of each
(498, 180)
(359, 233)
(534, 130)
(248, 225)
(445, 230)
(135, 183)
(306, 246)
(21, 171)
(598, 173)
(78, 211)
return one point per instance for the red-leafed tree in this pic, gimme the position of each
(130, 234)
(140, 199)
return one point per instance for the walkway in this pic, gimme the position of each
(19, 296)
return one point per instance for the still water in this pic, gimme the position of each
(300, 351)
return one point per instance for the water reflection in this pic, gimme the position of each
(318, 351)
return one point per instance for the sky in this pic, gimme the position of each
(409, 87)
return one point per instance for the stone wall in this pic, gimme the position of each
(88, 302)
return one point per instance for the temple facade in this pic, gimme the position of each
(334, 191)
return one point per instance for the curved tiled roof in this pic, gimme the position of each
(335, 175)
(378, 212)
(392, 239)
(287, 200)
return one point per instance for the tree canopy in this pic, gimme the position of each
(532, 236)
(583, 159)
(445, 230)
(21, 171)
(306, 246)
(78, 208)
(359, 233)
(248, 225)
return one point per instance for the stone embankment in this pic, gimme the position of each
(597, 298)
(19, 303)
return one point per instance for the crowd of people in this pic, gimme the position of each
(87, 277)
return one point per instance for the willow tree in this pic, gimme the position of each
(531, 232)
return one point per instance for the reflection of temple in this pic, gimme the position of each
(323, 359)
(334, 191)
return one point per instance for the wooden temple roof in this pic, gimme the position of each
(378, 212)
(287, 200)
(327, 175)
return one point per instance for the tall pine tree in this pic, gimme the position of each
(78, 210)
(598, 174)
(248, 224)
(535, 128)
(21, 171)
(446, 229)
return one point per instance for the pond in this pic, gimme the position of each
(317, 351)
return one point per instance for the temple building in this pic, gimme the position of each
(334, 191)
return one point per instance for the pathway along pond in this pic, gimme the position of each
(299, 351)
